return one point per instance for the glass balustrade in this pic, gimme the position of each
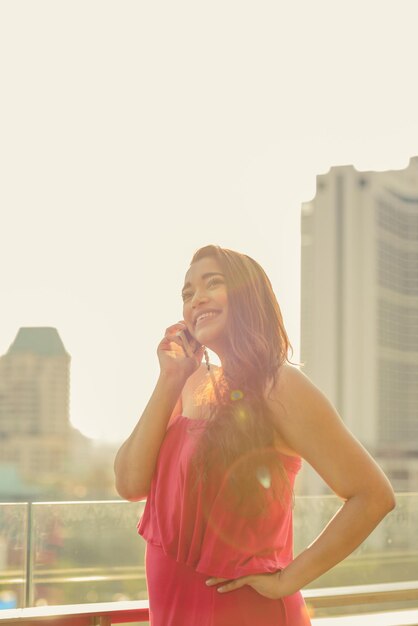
(13, 554)
(389, 554)
(82, 552)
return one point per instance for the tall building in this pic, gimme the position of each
(35, 431)
(359, 318)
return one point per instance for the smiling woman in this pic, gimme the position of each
(216, 452)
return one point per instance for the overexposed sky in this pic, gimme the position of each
(132, 133)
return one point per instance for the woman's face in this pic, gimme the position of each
(205, 303)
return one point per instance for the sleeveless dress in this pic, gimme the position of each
(191, 538)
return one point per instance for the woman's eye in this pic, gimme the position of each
(214, 281)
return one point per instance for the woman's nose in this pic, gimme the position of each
(198, 297)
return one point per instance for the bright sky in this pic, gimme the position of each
(132, 133)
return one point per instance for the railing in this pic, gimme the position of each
(105, 614)
(86, 553)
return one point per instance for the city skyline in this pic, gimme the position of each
(120, 159)
(404, 179)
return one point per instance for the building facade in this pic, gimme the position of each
(359, 300)
(35, 430)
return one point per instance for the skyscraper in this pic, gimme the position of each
(359, 319)
(34, 404)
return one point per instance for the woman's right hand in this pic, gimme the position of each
(178, 354)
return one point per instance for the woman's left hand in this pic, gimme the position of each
(267, 585)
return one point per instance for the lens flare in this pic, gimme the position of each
(233, 526)
(236, 394)
(242, 414)
(264, 476)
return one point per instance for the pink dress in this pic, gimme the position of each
(190, 539)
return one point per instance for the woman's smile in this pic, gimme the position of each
(205, 316)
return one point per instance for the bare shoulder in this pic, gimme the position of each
(298, 407)
(293, 389)
(302, 411)
(311, 427)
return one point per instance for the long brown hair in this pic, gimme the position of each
(238, 440)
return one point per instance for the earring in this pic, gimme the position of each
(206, 355)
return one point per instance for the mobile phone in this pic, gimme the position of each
(192, 341)
(189, 335)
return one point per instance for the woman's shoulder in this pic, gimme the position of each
(302, 412)
(294, 398)
(289, 381)
(292, 385)
(290, 396)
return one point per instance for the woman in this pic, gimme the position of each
(216, 452)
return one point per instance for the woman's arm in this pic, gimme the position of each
(136, 459)
(311, 427)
